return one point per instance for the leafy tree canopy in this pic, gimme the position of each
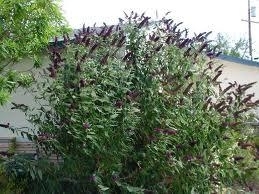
(26, 26)
(237, 48)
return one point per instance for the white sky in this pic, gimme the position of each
(198, 15)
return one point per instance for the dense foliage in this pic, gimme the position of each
(238, 48)
(138, 108)
(26, 27)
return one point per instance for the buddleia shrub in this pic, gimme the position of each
(138, 107)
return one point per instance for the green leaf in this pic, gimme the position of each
(40, 174)
(114, 116)
(32, 173)
(99, 126)
(103, 188)
(4, 97)
(93, 94)
(135, 189)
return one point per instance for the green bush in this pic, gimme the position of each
(137, 108)
(15, 174)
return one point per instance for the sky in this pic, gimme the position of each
(222, 16)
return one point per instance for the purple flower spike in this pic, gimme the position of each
(86, 125)
(166, 131)
(82, 83)
(119, 104)
(170, 132)
(159, 130)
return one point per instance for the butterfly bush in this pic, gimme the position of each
(138, 107)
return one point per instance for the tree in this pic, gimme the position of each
(26, 27)
(237, 48)
(135, 108)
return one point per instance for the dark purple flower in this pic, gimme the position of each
(218, 68)
(187, 52)
(215, 165)
(118, 28)
(184, 43)
(166, 131)
(202, 47)
(84, 29)
(226, 137)
(168, 40)
(227, 89)
(248, 98)
(121, 41)
(93, 47)
(210, 55)
(102, 31)
(56, 63)
(108, 33)
(113, 41)
(87, 42)
(53, 72)
(76, 55)
(158, 47)
(179, 146)
(78, 68)
(129, 54)
(216, 76)
(169, 154)
(223, 108)
(119, 104)
(82, 83)
(143, 22)
(72, 106)
(236, 114)
(121, 20)
(151, 37)
(188, 158)
(56, 41)
(156, 39)
(218, 53)
(152, 138)
(170, 131)
(159, 130)
(193, 143)
(186, 91)
(132, 95)
(65, 39)
(104, 59)
(245, 145)
(238, 158)
(135, 16)
(78, 38)
(86, 125)
(217, 106)
(115, 177)
(93, 178)
(88, 29)
(84, 38)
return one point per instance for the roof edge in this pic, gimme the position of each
(238, 60)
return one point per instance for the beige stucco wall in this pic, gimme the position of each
(231, 72)
(243, 74)
(15, 117)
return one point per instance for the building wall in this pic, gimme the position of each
(15, 117)
(241, 73)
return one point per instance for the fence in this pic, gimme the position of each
(20, 147)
